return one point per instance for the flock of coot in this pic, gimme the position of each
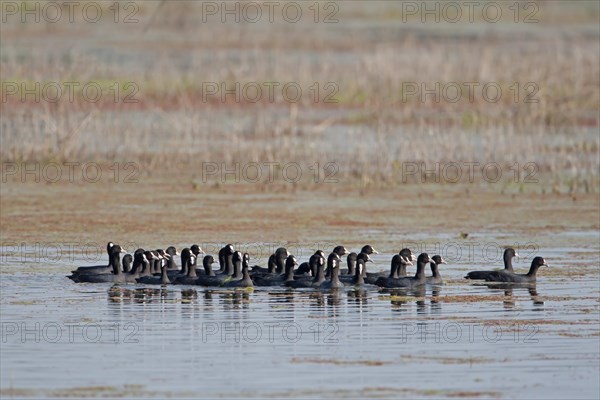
(159, 267)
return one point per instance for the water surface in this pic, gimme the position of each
(458, 340)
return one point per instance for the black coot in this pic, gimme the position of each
(333, 262)
(171, 263)
(116, 276)
(163, 279)
(246, 281)
(407, 258)
(226, 254)
(310, 268)
(351, 262)
(511, 277)
(361, 269)
(340, 251)
(281, 255)
(127, 261)
(278, 279)
(368, 249)
(191, 276)
(96, 269)
(509, 253)
(210, 278)
(409, 282)
(308, 282)
(398, 263)
(270, 269)
(435, 278)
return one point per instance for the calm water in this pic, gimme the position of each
(190, 341)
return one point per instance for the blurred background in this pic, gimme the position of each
(355, 89)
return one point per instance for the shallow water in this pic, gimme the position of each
(460, 339)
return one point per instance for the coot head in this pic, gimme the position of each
(208, 260)
(538, 262)
(368, 249)
(281, 252)
(438, 259)
(116, 249)
(423, 258)
(407, 253)
(361, 261)
(340, 250)
(510, 252)
(195, 249)
(172, 251)
(207, 263)
(150, 255)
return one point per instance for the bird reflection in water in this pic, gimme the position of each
(334, 297)
(357, 296)
(509, 289)
(229, 298)
(317, 299)
(400, 299)
(188, 295)
(435, 304)
(235, 299)
(211, 300)
(279, 300)
(117, 294)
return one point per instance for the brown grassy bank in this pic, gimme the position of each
(156, 211)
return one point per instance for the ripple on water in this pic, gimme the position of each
(142, 341)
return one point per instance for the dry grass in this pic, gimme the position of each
(369, 133)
